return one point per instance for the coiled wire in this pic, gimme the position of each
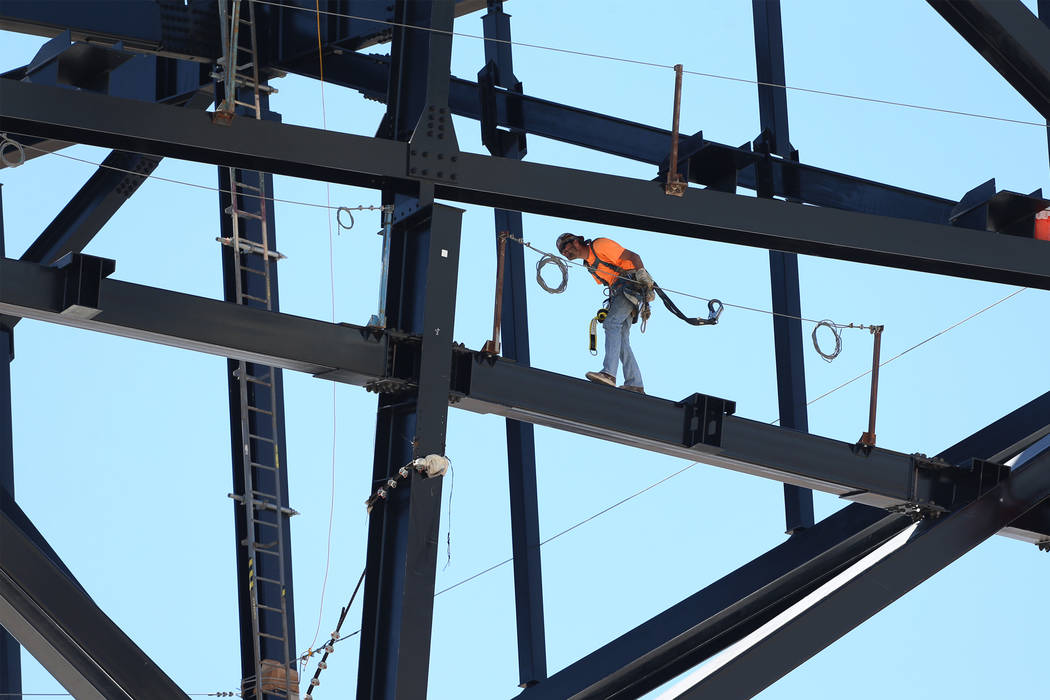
(834, 328)
(562, 267)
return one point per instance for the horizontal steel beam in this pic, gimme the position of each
(723, 613)
(66, 632)
(1012, 39)
(844, 602)
(529, 187)
(647, 144)
(195, 323)
(482, 384)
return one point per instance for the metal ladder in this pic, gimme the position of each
(264, 514)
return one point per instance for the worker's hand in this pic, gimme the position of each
(644, 279)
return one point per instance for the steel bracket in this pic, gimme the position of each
(703, 419)
(433, 153)
(82, 287)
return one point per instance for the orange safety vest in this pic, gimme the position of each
(605, 261)
(1042, 225)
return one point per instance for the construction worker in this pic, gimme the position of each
(623, 274)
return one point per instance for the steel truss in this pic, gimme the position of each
(912, 515)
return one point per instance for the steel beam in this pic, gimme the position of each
(483, 384)
(858, 593)
(169, 28)
(521, 447)
(528, 187)
(203, 325)
(1010, 38)
(10, 651)
(724, 612)
(783, 267)
(420, 298)
(1000, 441)
(643, 143)
(66, 632)
(403, 529)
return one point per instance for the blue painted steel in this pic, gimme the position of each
(421, 279)
(514, 329)
(10, 651)
(783, 267)
(261, 422)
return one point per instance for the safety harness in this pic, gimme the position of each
(636, 294)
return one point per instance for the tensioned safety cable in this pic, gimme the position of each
(182, 182)
(555, 536)
(699, 298)
(653, 64)
(329, 206)
(913, 347)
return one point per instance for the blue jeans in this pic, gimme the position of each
(617, 327)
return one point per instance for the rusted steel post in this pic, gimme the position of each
(868, 438)
(675, 185)
(492, 346)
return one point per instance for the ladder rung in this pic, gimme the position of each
(260, 410)
(268, 580)
(267, 467)
(271, 636)
(253, 436)
(245, 186)
(253, 297)
(244, 214)
(253, 271)
(268, 607)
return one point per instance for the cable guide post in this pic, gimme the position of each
(492, 346)
(675, 185)
(867, 439)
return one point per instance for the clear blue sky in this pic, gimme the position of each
(122, 447)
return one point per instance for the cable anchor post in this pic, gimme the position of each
(867, 439)
(492, 346)
(675, 185)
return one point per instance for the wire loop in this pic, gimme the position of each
(834, 328)
(5, 145)
(562, 267)
(339, 217)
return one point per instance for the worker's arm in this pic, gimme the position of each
(640, 272)
(633, 258)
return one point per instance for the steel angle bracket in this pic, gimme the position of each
(82, 286)
(703, 419)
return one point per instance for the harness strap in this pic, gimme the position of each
(711, 307)
(619, 271)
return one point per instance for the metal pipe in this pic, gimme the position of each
(868, 438)
(492, 346)
(675, 185)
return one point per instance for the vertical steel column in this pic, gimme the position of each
(10, 651)
(1044, 15)
(783, 267)
(521, 447)
(420, 297)
(265, 448)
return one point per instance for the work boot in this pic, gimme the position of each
(602, 378)
(635, 389)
